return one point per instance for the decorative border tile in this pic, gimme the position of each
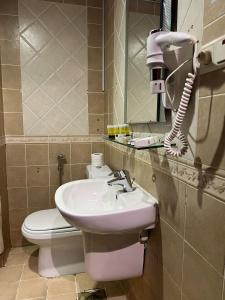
(52, 139)
(206, 179)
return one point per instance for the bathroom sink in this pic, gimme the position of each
(93, 206)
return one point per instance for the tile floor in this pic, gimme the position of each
(19, 280)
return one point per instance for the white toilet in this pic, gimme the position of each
(61, 246)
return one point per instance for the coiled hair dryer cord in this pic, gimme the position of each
(176, 130)
(185, 98)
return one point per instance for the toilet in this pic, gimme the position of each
(60, 244)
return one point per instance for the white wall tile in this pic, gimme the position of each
(53, 38)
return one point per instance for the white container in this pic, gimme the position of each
(97, 159)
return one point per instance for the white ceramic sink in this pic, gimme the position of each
(93, 206)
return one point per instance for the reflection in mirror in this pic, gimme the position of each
(142, 106)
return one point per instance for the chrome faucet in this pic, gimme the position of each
(122, 177)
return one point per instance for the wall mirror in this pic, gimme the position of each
(141, 17)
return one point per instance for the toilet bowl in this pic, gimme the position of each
(60, 244)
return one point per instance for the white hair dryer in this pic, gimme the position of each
(157, 43)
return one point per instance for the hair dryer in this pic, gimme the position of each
(157, 43)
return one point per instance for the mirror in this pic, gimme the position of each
(142, 17)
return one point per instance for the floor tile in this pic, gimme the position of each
(10, 274)
(32, 288)
(85, 282)
(8, 290)
(71, 296)
(61, 285)
(16, 259)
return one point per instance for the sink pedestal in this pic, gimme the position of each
(113, 256)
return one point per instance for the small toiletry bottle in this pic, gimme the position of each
(110, 131)
(116, 130)
(126, 129)
(122, 131)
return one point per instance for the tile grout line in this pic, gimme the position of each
(192, 247)
(184, 234)
(49, 179)
(214, 21)
(76, 289)
(17, 290)
(26, 172)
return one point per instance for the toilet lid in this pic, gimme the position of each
(45, 220)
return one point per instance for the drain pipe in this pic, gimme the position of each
(61, 161)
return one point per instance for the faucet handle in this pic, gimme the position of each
(116, 173)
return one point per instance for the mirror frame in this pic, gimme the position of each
(172, 4)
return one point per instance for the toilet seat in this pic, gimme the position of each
(46, 224)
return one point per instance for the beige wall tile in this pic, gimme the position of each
(211, 131)
(137, 169)
(9, 7)
(171, 197)
(98, 148)
(78, 171)
(17, 239)
(76, 2)
(116, 159)
(161, 285)
(96, 124)
(32, 288)
(10, 52)
(172, 252)
(94, 3)
(38, 197)
(59, 1)
(213, 10)
(95, 58)
(16, 218)
(94, 81)
(11, 77)
(15, 155)
(56, 149)
(215, 30)
(205, 227)
(37, 176)
(52, 195)
(13, 123)
(17, 198)
(37, 154)
(94, 15)
(107, 154)
(80, 153)
(94, 35)
(54, 175)
(96, 103)
(8, 27)
(170, 290)
(200, 280)
(12, 100)
(212, 83)
(16, 176)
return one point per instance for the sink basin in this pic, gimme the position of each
(93, 206)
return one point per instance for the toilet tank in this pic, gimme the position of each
(97, 172)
